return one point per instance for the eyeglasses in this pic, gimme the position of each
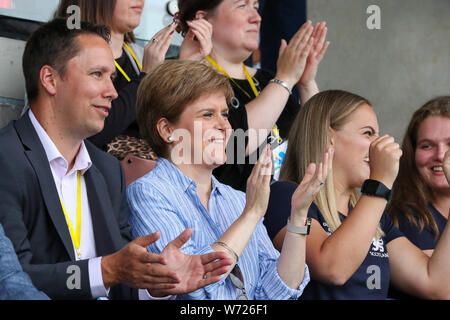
(237, 279)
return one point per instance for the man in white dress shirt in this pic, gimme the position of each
(62, 200)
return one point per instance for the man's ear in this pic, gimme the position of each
(48, 78)
(165, 130)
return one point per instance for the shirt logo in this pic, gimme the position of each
(377, 249)
(377, 245)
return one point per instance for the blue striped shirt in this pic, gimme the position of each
(166, 200)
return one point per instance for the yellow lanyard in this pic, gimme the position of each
(76, 236)
(135, 59)
(275, 131)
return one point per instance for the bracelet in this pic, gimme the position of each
(281, 83)
(223, 244)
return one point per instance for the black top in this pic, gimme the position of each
(235, 174)
(122, 116)
(370, 280)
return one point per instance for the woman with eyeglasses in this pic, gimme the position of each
(354, 250)
(121, 132)
(182, 111)
(261, 99)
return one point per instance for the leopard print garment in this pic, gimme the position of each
(121, 146)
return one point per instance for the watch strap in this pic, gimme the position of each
(299, 230)
(376, 188)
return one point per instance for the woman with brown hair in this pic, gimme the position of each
(354, 250)
(421, 195)
(121, 133)
(182, 108)
(262, 100)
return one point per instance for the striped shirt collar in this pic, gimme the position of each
(170, 173)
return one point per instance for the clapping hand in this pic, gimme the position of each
(314, 178)
(293, 56)
(316, 54)
(193, 271)
(258, 184)
(171, 272)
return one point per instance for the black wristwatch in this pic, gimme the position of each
(376, 189)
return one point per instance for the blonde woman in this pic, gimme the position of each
(354, 250)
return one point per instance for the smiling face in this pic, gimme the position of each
(351, 143)
(127, 15)
(433, 141)
(236, 25)
(206, 122)
(85, 91)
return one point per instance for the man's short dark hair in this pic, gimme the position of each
(54, 44)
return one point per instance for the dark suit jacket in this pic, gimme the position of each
(32, 217)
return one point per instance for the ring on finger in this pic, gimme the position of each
(154, 40)
(322, 183)
(204, 276)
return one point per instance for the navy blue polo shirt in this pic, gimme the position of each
(371, 279)
(425, 239)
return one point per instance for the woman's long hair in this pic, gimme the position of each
(309, 139)
(93, 11)
(411, 196)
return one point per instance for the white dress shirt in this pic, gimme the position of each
(67, 184)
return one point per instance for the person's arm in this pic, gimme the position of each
(291, 264)
(334, 258)
(290, 66)
(151, 211)
(15, 284)
(16, 195)
(236, 237)
(430, 276)
(414, 272)
(161, 274)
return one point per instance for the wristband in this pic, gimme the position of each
(281, 83)
(376, 188)
(299, 230)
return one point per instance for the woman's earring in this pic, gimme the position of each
(170, 139)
